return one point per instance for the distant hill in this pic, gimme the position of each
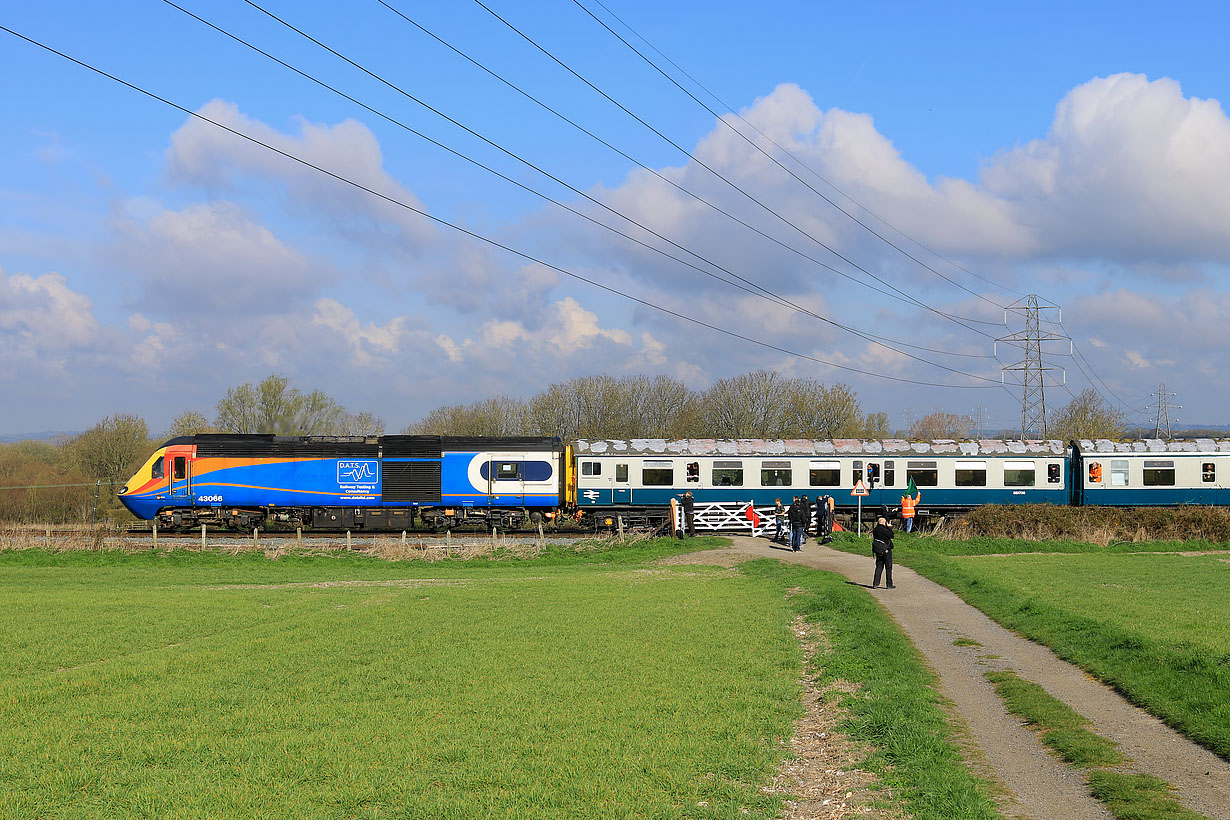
(47, 435)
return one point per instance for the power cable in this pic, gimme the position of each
(440, 221)
(759, 292)
(787, 151)
(905, 296)
(778, 163)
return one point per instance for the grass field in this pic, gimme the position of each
(199, 685)
(1155, 625)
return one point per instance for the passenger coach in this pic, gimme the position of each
(643, 475)
(1153, 473)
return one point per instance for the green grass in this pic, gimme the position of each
(987, 545)
(896, 709)
(1154, 626)
(1062, 728)
(141, 686)
(580, 684)
(966, 642)
(1138, 797)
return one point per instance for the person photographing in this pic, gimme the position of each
(882, 548)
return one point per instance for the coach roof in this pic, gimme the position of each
(810, 447)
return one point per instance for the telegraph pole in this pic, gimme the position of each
(1163, 411)
(1031, 368)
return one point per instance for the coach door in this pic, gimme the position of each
(181, 476)
(621, 489)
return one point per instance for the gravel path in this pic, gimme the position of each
(1038, 784)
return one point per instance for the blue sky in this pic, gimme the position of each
(148, 260)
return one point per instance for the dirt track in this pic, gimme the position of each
(1038, 784)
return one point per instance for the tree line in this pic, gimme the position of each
(66, 474)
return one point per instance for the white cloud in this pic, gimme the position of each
(365, 341)
(43, 314)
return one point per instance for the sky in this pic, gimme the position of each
(864, 193)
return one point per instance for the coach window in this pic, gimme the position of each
(728, 473)
(824, 473)
(657, 473)
(1208, 472)
(621, 472)
(890, 474)
(1095, 472)
(858, 473)
(971, 473)
(507, 471)
(924, 473)
(1054, 473)
(693, 471)
(157, 470)
(775, 474)
(181, 467)
(1018, 474)
(1119, 473)
(1159, 474)
(591, 468)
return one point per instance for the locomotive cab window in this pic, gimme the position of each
(591, 468)
(1019, 474)
(775, 474)
(1119, 473)
(1095, 472)
(728, 473)
(971, 474)
(1054, 473)
(156, 471)
(180, 467)
(1208, 472)
(657, 473)
(1159, 474)
(924, 473)
(824, 473)
(507, 471)
(693, 471)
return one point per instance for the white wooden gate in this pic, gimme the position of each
(726, 518)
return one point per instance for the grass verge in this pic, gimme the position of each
(894, 707)
(1062, 729)
(1127, 796)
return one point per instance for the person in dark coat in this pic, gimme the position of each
(795, 515)
(882, 547)
(689, 522)
(806, 500)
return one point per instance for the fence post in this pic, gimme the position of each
(403, 539)
(347, 539)
(254, 538)
(202, 538)
(620, 520)
(540, 536)
(94, 514)
(47, 539)
(155, 533)
(299, 537)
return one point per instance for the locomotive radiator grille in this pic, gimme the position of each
(411, 481)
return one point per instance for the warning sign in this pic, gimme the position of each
(860, 488)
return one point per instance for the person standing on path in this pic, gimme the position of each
(805, 500)
(882, 547)
(795, 514)
(779, 518)
(688, 521)
(909, 502)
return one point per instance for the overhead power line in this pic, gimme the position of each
(474, 235)
(721, 119)
(700, 163)
(749, 287)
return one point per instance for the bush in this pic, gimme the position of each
(1098, 525)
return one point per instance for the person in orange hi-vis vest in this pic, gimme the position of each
(908, 503)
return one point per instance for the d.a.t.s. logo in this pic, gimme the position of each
(364, 471)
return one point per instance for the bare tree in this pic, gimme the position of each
(747, 406)
(275, 406)
(940, 425)
(360, 424)
(501, 416)
(815, 411)
(189, 423)
(1086, 416)
(876, 425)
(112, 449)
